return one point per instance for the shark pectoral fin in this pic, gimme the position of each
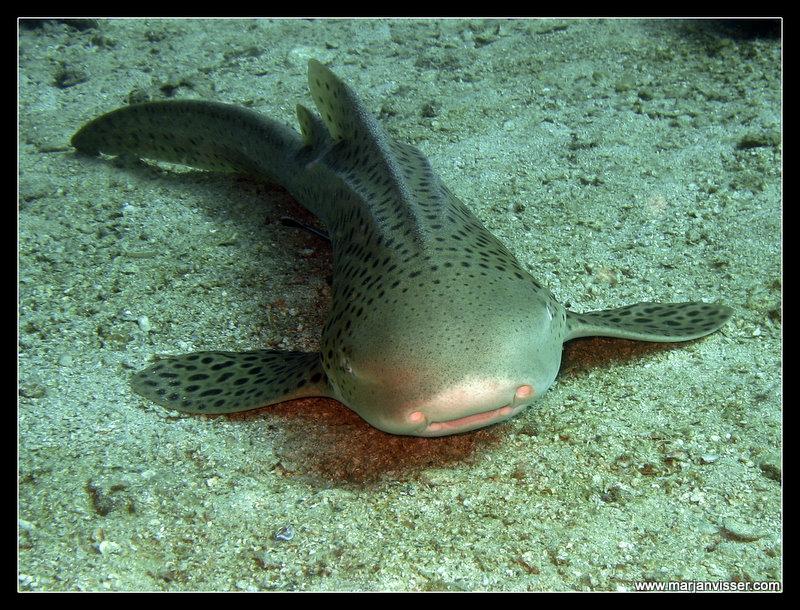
(659, 322)
(227, 382)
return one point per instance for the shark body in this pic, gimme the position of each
(434, 329)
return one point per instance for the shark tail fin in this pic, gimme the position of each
(205, 135)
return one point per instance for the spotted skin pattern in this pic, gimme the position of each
(210, 382)
(435, 328)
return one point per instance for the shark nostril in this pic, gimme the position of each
(524, 391)
(417, 417)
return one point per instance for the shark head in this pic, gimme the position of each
(427, 371)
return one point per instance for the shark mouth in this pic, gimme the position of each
(423, 427)
(470, 422)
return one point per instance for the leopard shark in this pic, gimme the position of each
(434, 328)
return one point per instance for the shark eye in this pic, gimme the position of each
(345, 364)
